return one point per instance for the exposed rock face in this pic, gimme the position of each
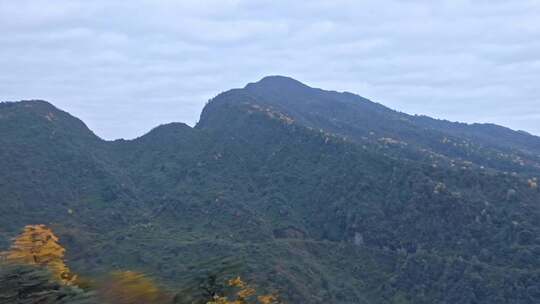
(358, 239)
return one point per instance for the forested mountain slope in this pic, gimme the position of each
(364, 121)
(322, 196)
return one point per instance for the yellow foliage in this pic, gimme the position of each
(220, 300)
(267, 299)
(237, 282)
(37, 245)
(244, 292)
(130, 287)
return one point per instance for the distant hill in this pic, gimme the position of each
(326, 197)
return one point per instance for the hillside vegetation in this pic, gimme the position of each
(320, 196)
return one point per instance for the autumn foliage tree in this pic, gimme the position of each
(37, 245)
(129, 287)
(244, 295)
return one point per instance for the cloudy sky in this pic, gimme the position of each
(127, 66)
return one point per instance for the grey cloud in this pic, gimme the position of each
(126, 66)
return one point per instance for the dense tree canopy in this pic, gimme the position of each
(325, 197)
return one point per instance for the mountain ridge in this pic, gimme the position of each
(286, 83)
(313, 201)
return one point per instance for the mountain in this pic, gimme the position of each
(363, 121)
(319, 195)
(54, 169)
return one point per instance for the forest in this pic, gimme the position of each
(281, 193)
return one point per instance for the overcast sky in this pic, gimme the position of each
(126, 66)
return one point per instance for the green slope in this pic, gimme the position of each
(315, 194)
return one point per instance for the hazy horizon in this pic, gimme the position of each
(124, 68)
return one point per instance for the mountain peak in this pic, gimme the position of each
(277, 82)
(43, 116)
(31, 103)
